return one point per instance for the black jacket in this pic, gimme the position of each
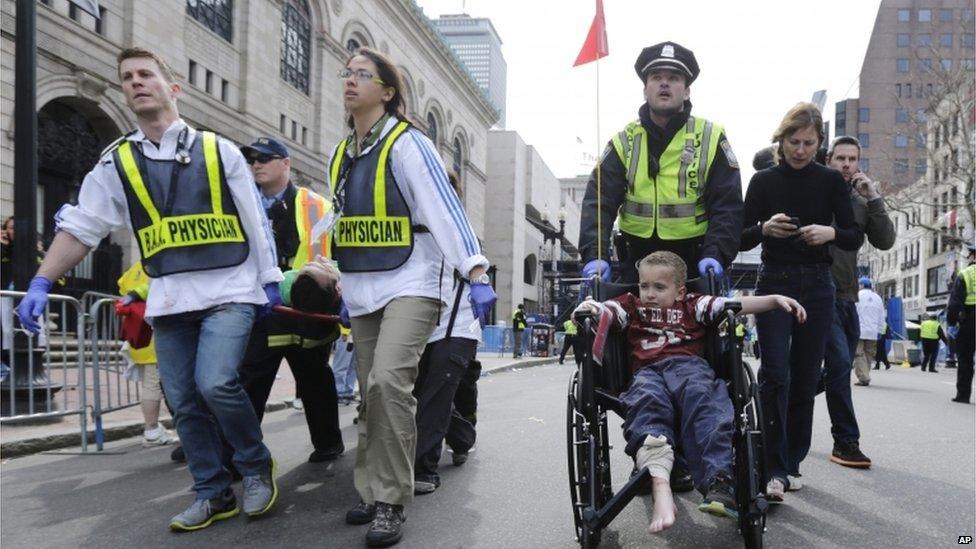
(722, 197)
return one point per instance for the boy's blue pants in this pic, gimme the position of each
(682, 391)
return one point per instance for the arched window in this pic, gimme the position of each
(216, 15)
(432, 127)
(458, 158)
(295, 43)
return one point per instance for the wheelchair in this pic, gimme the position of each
(595, 389)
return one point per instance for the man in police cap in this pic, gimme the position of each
(292, 211)
(961, 317)
(671, 177)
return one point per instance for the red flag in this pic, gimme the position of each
(596, 45)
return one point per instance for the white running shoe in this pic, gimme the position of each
(159, 437)
(795, 483)
(775, 490)
(297, 404)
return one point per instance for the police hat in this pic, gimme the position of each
(265, 145)
(667, 55)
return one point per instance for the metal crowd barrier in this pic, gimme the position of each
(111, 390)
(46, 374)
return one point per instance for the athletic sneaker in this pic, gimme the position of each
(794, 483)
(720, 499)
(204, 512)
(775, 490)
(157, 437)
(261, 491)
(849, 454)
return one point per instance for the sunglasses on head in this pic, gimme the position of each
(262, 158)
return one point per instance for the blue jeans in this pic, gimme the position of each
(792, 355)
(682, 389)
(344, 368)
(838, 358)
(199, 353)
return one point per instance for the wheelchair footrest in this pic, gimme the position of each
(600, 518)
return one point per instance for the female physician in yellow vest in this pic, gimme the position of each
(671, 176)
(400, 225)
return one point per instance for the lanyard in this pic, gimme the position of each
(181, 159)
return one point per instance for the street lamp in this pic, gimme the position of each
(554, 239)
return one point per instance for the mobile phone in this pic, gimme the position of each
(794, 221)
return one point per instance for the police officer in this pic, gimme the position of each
(518, 326)
(189, 199)
(569, 340)
(930, 332)
(671, 177)
(961, 316)
(292, 211)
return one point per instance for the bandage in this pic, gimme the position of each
(657, 455)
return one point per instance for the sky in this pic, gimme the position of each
(757, 57)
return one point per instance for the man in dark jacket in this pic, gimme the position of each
(873, 220)
(671, 177)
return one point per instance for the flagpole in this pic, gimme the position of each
(599, 161)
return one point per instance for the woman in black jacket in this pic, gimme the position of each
(795, 209)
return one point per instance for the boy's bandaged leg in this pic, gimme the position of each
(657, 455)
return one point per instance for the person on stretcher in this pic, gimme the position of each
(666, 329)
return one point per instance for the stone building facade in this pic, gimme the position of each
(248, 68)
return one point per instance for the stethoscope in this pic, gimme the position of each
(182, 155)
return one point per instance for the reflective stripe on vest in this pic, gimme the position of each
(675, 208)
(930, 329)
(197, 225)
(371, 235)
(309, 209)
(969, 278)
(285, 340)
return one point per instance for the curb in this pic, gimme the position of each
(26, 447)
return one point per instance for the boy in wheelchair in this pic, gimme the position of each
(666, 329)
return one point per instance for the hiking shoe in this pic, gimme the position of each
(204, 512)
(849, 454)
(261, 491)
(422, 486)
(775, 489)
(794, 482)
(720, 499)
(178, 455)
(362, 513)
(159, 437)
(387, 527)
(681, 480)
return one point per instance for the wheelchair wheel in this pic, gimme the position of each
(749, 460)
(588, 459)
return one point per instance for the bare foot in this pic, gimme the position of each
(662, 516)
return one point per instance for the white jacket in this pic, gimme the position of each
(871, 312)
(420, 174)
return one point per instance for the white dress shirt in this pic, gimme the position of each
(102, 208)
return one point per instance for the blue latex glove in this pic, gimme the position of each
(953, 331)
(34, 303)
(482, 298)
(274, 298)
(597, 266)
(712, 263)
(344, 315)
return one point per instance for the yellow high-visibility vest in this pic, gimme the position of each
(671, 203)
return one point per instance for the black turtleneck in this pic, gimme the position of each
(816, 194)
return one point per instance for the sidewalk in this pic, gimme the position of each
(23, 439)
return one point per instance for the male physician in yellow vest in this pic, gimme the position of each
(670, 176)
(189, 199)
(961, 317)
(292, 211)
